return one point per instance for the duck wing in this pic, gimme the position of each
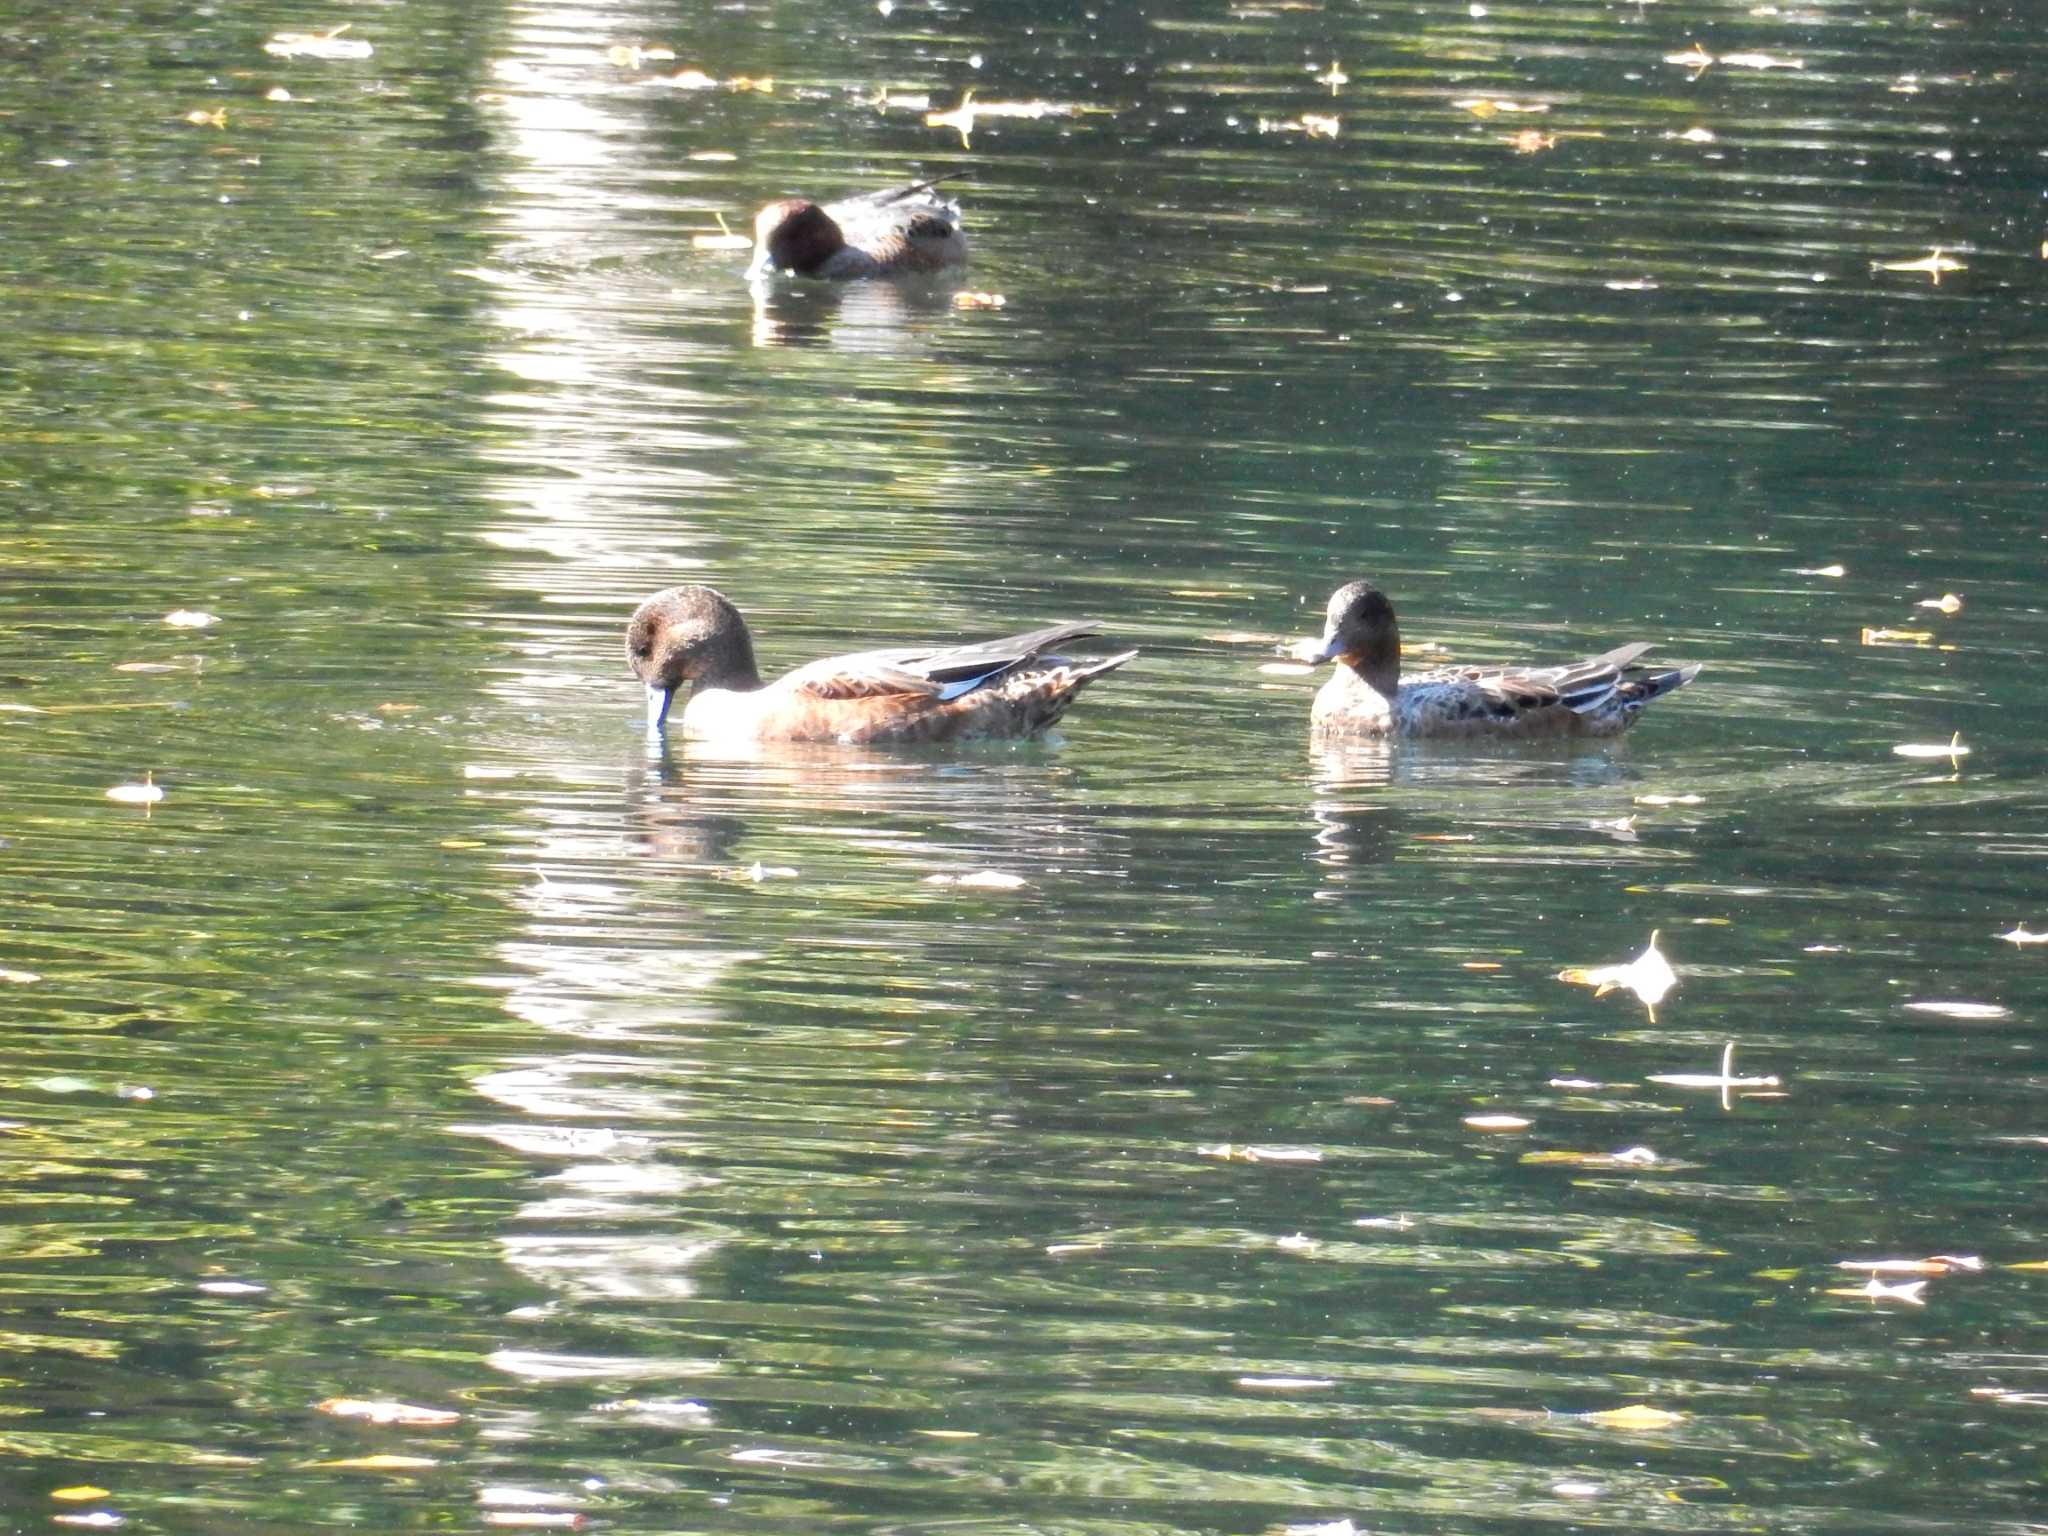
(1580, 686)
(923, 671)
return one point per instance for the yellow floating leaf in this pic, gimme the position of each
(381, 1463)
(217, 118)
(384, 1411)
(976, 299)
(1489, 106)
(78, 1493)
(1897, 636)
(1636, 1416)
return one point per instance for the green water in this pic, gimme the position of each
(677, 1127)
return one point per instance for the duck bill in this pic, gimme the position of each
(658, 701)
(1316, 651)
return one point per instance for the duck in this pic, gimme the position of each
(909, 229)
(691, 639)
(1367, 696)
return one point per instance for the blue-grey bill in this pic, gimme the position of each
(657, 706)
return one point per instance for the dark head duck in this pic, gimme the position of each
(881, 234)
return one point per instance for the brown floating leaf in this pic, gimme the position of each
(384, 1411)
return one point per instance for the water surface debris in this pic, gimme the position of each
(1636, 1416)
(1496, 1123)
(724, 240)
(2022, 935)
(1724, 1080)
(318, 45)
(148, 792)
(1956, 1008)
(191, 618)
(387, 1411)
(1887, 636)
(1948, 604)
(981, 880)
(1333, 77)
(1649, 976)
(1934, 263)
(1933, 1264)
(1953, 749)
(975, 298)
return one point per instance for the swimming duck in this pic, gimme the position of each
(1598, 697)
(878, 234)
(692, 638)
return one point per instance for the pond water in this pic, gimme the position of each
(440, 1110)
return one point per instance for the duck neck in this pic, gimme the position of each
(731, 667)
(1378, 661)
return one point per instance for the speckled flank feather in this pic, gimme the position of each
(691, 639)
(906, 230)
(1600, 696)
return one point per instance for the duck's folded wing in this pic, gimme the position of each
(946, 673)
(1580, 687)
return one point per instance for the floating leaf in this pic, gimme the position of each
(981, 880)
(79, 1493)
(190, 618)
(381, 1411)
(1897, 636)
(1956, 1008)
(148, 792)
(1948, 603)
(1724, 1080)
(1671, 800)
(1649, 976)
(1934, 263)
(1836, 571)
(19, 978)
(199, 118)
(381, 1462)
(2021, 935)
(1636, 1416)
(1497, 1123)
(977, 299)
(1694, 58)
(1934, 1264)
(1286, 1383)
(1761, 61)
(1953, 750)
(318, 45)
(1489, 106)
(1875, 1289)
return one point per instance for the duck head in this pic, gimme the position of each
(1359, 630)
(688, 637)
